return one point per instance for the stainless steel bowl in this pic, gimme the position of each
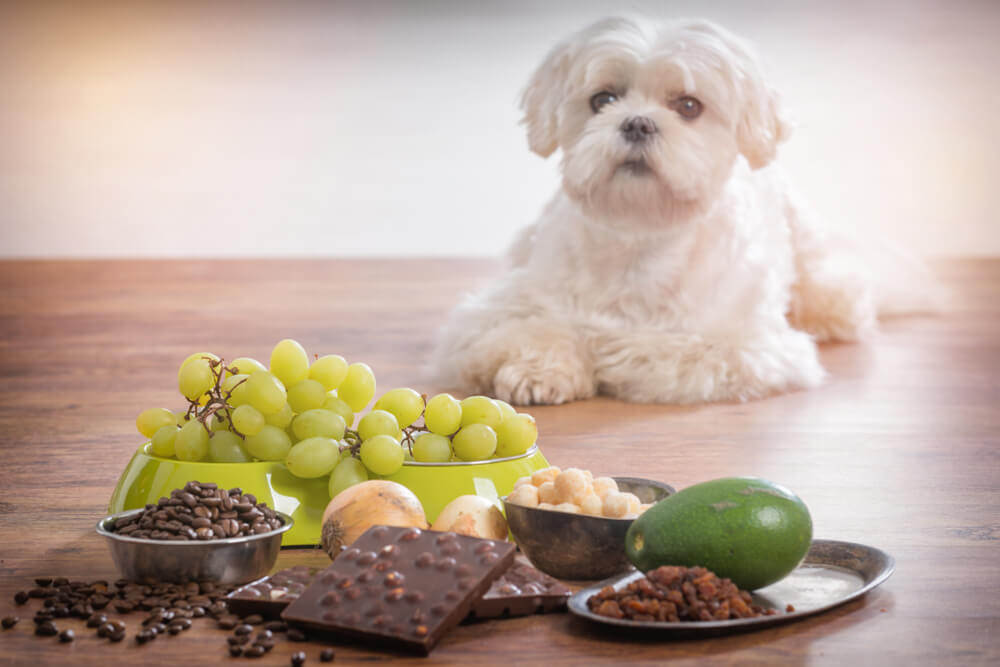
(579, 546)
(234, 560)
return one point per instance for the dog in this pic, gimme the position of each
(675, 264)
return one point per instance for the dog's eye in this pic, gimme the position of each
(688, 107)
(602, 98)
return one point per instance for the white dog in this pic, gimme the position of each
(675, 264)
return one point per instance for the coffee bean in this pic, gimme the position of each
(60, 581)
(264, 634)
(253, 619)
(235, 650)
(117, 636)
(228, 622)
(43, 581)
(243, 629)
(9, 622)
(254, 651)
(96, 620)
(298, 659)
(46, 629)
(326, 655)
(296, 635)
(20, 597)
(145, 636)
(174, 629)
(276, 626)
(158, 628)
(238, 640)
(105, 630)
(66, 636)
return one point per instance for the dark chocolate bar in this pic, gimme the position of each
(520, 591)
(403, 587)
(269, 595)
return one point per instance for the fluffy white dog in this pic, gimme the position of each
(675, 264)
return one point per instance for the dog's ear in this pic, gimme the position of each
(541, 97)
(761, 125)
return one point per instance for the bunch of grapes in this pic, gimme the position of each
(303, 414)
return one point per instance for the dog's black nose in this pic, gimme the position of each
(637, 129)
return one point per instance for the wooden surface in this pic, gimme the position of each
(898, 450)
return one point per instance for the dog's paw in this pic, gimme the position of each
(525, 384)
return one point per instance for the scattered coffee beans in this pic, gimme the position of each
(326, 655)
(9, 622)
(298, 659)
(67, 636)
(200, 511)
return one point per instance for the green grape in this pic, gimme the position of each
(227, 447)
(379, 422)
(306, 395)
(163, 441)
(506, 409)
(358, 387)
(443, 414)
(195, 376)
(269, 444)
(329, 370)
(318, 422)
(151, 420)
(289, 362)
(475, 442)
(248, 420)
(405, 403)
(312, 457)
(282, 418)
(335, 404)
(348, 472)
(431, 448)
(382, 454)
(516, 435)
(247, 365)
(265, 392)
(219, 422)
(481, 410)
(235, 387)
(191, 442)
(181, 417)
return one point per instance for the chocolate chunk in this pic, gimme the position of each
(268, 596)
(365, 579)
(520, 591)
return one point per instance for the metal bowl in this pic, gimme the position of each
(579, 546)
(234, 560)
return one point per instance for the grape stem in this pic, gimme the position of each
(218, 400)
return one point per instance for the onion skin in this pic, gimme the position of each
(357, 508)
(472, 515)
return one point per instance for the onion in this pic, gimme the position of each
(472, 515)
(357, 508)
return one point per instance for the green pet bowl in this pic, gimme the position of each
(147, 478)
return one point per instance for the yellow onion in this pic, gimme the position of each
(472, 515)
(357, 508)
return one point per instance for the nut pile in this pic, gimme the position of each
(576, 491)
(673, 593)
(200, 511)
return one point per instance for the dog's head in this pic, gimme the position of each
(650, 120)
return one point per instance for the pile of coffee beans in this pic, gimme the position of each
(200, 511)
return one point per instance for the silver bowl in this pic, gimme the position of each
(579, 546)
(234, 560)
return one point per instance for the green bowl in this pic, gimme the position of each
(147, 478)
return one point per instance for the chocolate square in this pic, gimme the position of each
(404, 587)
(269, 595)
(520, 591)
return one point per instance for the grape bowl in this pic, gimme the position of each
(299, 430)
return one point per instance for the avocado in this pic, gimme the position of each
(747, 529)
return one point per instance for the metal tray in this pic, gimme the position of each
(831, 574)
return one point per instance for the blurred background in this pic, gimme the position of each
(284, 129)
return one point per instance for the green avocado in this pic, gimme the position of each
(750, 530)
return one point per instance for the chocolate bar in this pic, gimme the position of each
(269, 595)
(403, 587)
(520, 591)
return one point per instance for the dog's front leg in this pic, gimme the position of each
(522, 360)
(656, 367)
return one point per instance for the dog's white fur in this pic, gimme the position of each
(700, 279)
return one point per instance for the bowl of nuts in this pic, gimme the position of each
(201, 532)
(572, 525)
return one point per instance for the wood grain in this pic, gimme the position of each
(898, 450)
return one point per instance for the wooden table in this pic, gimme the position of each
(899, 450)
